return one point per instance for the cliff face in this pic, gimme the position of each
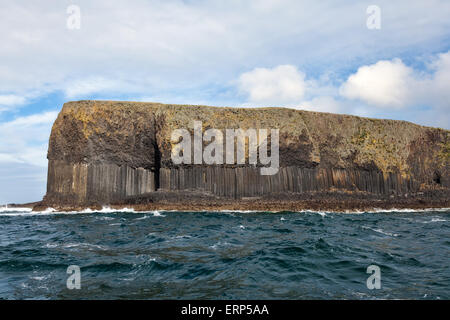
(102, 152)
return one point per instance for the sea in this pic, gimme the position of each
(123, 254)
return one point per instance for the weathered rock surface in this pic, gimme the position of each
(104, 152)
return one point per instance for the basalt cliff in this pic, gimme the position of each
(119, 154)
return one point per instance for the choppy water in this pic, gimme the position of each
(224, 255)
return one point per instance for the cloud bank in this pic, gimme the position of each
(372, 90)
(280, 86)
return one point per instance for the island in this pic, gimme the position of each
(120, 154)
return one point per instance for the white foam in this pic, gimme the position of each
(70, 245)
(183, 236)
(220, 244)
(325, 212)
(434, 220)
(321, 213)
(50, 245)
(5, 211)
(9, 209)
(379, 210)
(156, 213)
(107, 209)
(238, 211)
(106, 218)
(408, 210)
(89, 246)
(143, 218)
(25, 212)
(381, 231)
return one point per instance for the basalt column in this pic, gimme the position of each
(99, 155)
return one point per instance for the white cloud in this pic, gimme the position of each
(384, 84)
(391, 85)
(87, 86)
(322, 104)
(385, 89)
(8, 101)
(26, 139)
(11, 100)
(44, 118)
(282, 85)
(437, 88)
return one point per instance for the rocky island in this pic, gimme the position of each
(119, 154)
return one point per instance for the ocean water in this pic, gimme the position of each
(224, 255)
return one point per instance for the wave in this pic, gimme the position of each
(155, 213)
(70, 245)
(108, 209)
(143, 218)
(240, 211)
(405, 210)
(434, 220)
(321, 213)
(381, 231)
(437, 220)
(325, 212)
(223, 244)
(14, 212)
(5, 211)
(8, 209)
(183, 236)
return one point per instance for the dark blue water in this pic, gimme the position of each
(226, 255)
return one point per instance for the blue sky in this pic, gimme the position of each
(313, 55)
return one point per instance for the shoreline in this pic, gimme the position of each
(330, 205)
(107, 209)
(323, 201)
(197, 201)
(216, 209)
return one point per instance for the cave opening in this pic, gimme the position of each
(437, 178)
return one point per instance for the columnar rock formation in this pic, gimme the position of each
(103, 152)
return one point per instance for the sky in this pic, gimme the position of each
(380, 59)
